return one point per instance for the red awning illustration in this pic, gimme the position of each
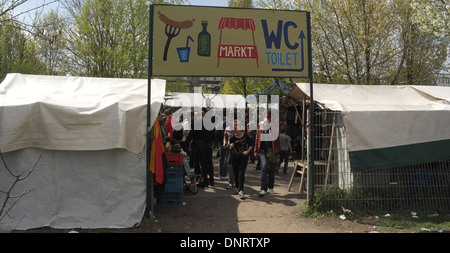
(237, 51)
(237, 23)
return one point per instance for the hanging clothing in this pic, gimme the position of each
(156, 163)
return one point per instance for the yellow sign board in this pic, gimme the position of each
(212, 41)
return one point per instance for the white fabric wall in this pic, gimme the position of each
(75, 189)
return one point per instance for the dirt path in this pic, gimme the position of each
(218, 210)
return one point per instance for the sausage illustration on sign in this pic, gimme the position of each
(173, 28)
(178, 24)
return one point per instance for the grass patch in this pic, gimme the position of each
(355, 206)
(420, 222)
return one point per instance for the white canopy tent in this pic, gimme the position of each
(91, 133)
(388, 126)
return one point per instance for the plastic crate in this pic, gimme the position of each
(175, 171)
(171, 198)
(174, 185)
(174, 158)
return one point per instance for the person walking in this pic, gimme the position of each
(223, 151)
(286, 150)
(264, 149)
(202, 149)
(209, 139)
(252, 141)
(240, 147)
(228, 133)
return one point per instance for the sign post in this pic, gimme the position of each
(149, 189)
(231, 42)
(311, 157)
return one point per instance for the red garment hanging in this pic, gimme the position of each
(156, 162)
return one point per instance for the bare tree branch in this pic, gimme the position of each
(17, 178)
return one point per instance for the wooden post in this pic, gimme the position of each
(330, 151)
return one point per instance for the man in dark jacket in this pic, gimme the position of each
(202, 141)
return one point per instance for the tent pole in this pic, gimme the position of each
(311, 117)
(150, 190)
(303, 128)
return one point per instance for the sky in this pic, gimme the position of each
(35, 3)
(220, 3)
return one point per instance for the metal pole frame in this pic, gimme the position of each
(311, 157)
(149, 189)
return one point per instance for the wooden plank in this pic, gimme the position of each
(330, 152)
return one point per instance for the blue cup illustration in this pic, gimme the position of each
(183, 52)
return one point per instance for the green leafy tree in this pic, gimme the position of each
(50, 36)
(369, 41)
(240, 3)
(277, 4)
(244, 85)
(95, 47)
(17, 52)
(422, 52)
(110, 37)
(18, 49)
(432, 16)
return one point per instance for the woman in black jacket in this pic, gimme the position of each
(241, 147)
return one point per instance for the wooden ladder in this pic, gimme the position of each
(300, 167)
